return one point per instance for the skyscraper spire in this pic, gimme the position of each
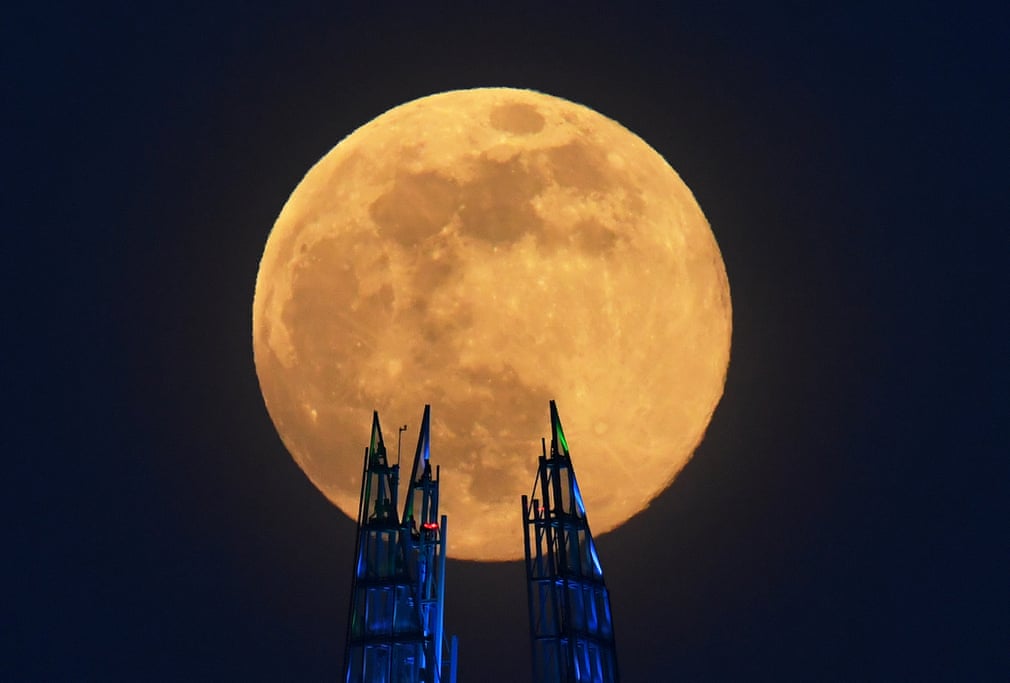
(425, 539)
(420, 472)
(379, 480)
(571, 625)
(395, 619)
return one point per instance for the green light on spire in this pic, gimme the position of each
(559, 433)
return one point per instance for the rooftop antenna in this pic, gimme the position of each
(399, 436)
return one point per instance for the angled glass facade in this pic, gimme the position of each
(394, 623)
(571, 625)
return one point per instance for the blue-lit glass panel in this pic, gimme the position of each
(379, 611)
(603, 610)
(589, 601)
(580, 509)
(376, 669)
(407, 660)
(577, 607)
(595, 559)
(406, 616)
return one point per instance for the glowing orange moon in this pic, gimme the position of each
(485, 251)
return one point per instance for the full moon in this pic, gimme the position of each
(485, 251)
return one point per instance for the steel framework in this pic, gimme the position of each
(395, 620)
(571, 625)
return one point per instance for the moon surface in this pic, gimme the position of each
(485, 251)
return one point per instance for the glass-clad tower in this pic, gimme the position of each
(395, 620)
(571, 626)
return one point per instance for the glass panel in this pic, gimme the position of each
(406, 616)
(407, 662)
(379, 611)
(578, 610)
(376, 665)
(603, 611)
(589, 599)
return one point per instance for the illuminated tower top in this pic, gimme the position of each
(395, 619)
(571, 626)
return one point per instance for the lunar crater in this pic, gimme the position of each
(518, 118)
(416, 208)
(580, 165)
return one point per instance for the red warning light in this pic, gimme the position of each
(430, 526)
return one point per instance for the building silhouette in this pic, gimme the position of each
(395, 618)
(395, 629)
(571, 625)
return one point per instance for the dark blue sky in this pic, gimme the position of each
(845, 518)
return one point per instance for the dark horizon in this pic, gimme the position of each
(844, 517)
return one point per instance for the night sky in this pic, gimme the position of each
(845, 518)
